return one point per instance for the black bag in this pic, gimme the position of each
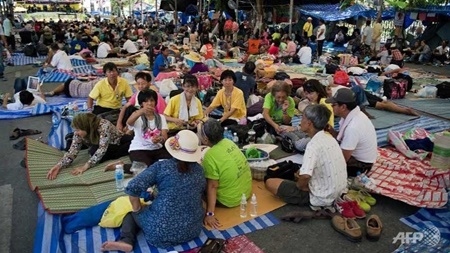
(443, 90)
(209, 96)
(288, 144)
(394, 89)
(283, 170)
(29, 50)
(212, 246)
(406, 78)
(241, 131)
(259, 126)
(42, 49)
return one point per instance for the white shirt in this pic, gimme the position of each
(319, 30)
(103, 49)
(442, 51)
(359, 136)
(324, 162)
(130, 47)
(305, 55)
(7, 27)
(138, 142)
(17, 105)
(367, 35)
(60, 60)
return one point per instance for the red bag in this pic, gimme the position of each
(204, 82)
(341, 78)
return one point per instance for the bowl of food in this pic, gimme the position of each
(255, 154)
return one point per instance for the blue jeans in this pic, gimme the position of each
(19, 85)
(2, 66)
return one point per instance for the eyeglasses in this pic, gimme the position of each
(334, 104)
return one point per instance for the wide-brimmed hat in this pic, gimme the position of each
(192, 56)
(342, 95)
(184, 146)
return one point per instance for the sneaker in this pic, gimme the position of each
(361, 203)
(344, 208)
(357, 210)
(329, 209)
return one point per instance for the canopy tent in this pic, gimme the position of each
(332, 12)
(438, 9)
(169, 5)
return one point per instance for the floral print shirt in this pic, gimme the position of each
(108, 135)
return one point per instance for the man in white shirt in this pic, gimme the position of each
(320, 36)
(9, 32)
(323, 177)
(367, 34)
(104, 49)
(357, 136)
(441, 52)
(59, 60)
(305, 53)
(129, 47)
(23, 99)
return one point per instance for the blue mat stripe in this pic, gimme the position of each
(49, 231)
(19, 59)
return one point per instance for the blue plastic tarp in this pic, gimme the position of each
(332, 12)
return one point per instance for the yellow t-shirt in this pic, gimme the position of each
(376, 34)
(331, 120)
(173, 110)
(106, 97)
(308, 27)
(236, 100)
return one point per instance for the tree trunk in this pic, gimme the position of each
(259, 16)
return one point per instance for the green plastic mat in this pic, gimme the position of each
(68, 193)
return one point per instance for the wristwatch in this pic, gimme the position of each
(209, 214)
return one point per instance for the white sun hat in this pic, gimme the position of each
(184, 146)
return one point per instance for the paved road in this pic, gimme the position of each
(308, 236)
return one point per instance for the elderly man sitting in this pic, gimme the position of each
(322, 177)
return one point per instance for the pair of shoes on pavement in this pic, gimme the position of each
(349, 208)
(352, 231)
(363, 198)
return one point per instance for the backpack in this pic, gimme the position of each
(42, 49)
(407, 78)
(29, 50)
(394, 89)
(331, 68)
(288, 144)
(443, 90)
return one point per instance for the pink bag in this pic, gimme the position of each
(204, 82)
(341, 78)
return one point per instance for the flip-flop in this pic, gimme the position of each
(17, 133)
(20, 145)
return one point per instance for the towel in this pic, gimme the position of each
(184, 113)
(343, 123)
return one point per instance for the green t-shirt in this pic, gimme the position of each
(283, 46)
(275, 112)
(226, 163)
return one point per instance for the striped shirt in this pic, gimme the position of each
(325, 163)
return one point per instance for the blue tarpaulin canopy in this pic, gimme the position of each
(332, 12)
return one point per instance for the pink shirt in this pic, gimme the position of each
(160, 105)
(291, 48)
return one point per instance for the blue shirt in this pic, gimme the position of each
(246, 83)
(160, 61)
(76, 46)
(176, 214)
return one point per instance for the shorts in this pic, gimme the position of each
(67, 88)
(290, 193)
(372, 99)
(375, 46)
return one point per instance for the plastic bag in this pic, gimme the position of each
(341, 78)
(116, 211)
(427, 92)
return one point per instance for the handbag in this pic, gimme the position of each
(212, 246)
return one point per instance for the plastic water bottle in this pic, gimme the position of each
(225, 133)
(85, 107)
(119, 177)
(70, 109)
(235, 138)
(251, 136)
(253, 206)
(243, 212)
(362, 177)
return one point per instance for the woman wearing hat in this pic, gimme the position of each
(194, 61)
(226, 170)
(176, 214)
(105, 141)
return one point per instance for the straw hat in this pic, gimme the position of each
(192, 56)
(184, 146)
